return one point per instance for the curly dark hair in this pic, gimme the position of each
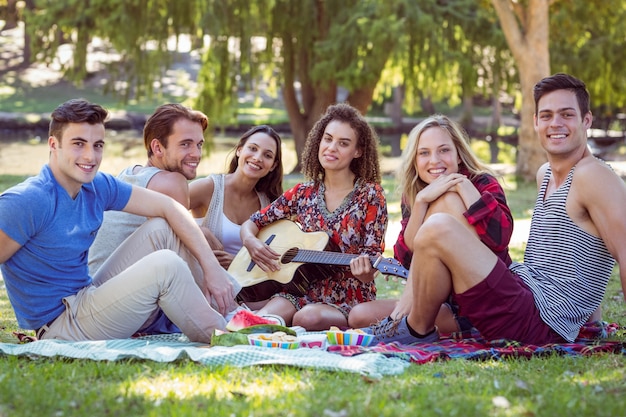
(366, 166)
(272, 183)
(76, 110)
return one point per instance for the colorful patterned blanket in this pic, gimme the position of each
(592, 339)
(373, 361)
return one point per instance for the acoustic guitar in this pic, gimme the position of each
(305, 257)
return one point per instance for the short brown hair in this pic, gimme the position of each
(75, 111)
(159, 125)
(562, 81)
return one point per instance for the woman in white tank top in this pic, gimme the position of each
(222, 202)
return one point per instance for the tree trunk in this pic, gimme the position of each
(361, 98)
(303, 112)
(11, 15)
(394, 111)
(496, 120)
(467, 112)
(526, 29)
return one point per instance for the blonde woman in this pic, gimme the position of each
(440, 173)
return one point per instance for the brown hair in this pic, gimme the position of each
(272, 183)
(366, 166)
(562, 81)
(75, 111)
(159, 125)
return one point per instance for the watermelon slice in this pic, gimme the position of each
(245, 318)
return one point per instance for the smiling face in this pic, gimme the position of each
(257, 157)
(184, 149)
(338, 147)
(75, 157)
(561, 127)
(436, 155)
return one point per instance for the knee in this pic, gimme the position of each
(155, 223)
(450, 203)
(169, 263)
(158, 231)
(359, 317)
(309, 318)
(436, 231)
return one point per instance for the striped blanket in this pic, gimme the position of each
(591, 339)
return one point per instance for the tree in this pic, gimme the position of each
(312, 46)
(306, 49)
(137, 30)
(526, 28)
(9, 13)
(595, 35)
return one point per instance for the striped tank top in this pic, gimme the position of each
(566, 268)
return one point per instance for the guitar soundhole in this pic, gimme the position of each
(289, 255)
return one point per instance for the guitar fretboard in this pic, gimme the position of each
(386, 266)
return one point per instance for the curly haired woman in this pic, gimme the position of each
(342, 196)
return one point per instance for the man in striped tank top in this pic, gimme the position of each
(577, 232)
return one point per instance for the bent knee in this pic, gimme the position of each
(307, 318)
(450, 203)
(438, 230)
(359, 316)
(168, 261)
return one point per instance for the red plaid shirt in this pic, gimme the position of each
(490, 216)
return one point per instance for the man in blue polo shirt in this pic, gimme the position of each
(48, 223)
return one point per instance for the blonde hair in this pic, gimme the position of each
(409, 182)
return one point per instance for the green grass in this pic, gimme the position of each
(549, 386)
(21, 97)
(7, 181)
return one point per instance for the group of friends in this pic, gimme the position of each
(88, 256)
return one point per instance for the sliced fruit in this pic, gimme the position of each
(245, 318)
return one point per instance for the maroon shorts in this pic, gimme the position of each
(503, 307)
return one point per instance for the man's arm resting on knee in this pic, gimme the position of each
(150, 203)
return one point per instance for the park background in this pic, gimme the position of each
(398, 61)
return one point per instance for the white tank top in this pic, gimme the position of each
(230, 236)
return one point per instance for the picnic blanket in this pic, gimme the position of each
(470, 345)
(373, 361)
(170, 348)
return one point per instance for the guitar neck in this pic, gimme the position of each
(386, 266)
(327, 258)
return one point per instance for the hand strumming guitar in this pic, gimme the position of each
(260, 252)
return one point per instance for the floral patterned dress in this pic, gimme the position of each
(357, 226)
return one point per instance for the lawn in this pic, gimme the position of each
(549, 386)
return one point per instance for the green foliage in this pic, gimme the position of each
(587, 40)
(506, 152)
